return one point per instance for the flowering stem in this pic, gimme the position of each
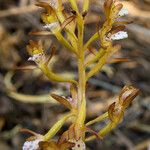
(81, 93)
(82, 76)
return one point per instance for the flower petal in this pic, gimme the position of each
(123, 12)
(51, 26)
(119, 35)
(31, 145)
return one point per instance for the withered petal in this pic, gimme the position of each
(128, 100)
(123, 22)
(38, 33)
(116, 29)
(119, 6)
(118, 60)
(46, 6)
(66, 145)
(111, 110)
(64, 137)
(62, 100)
(67, 21)
(107, 7)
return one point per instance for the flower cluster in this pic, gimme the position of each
(56, 19)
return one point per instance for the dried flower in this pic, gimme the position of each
(35, 49)
(50, 15)
(126, 96)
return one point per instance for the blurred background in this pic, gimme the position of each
(24, 95)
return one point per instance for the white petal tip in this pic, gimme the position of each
(51, 26)
(123, 12)
(119, 35)
(30, 59)
(36, 57)
(31, 145)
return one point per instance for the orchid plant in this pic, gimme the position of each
(72, 23)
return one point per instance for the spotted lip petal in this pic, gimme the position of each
(119, 35)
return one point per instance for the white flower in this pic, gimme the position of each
(119, 35)
(51, 26)
(123, 12)
(36, 58)
(31, 145)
